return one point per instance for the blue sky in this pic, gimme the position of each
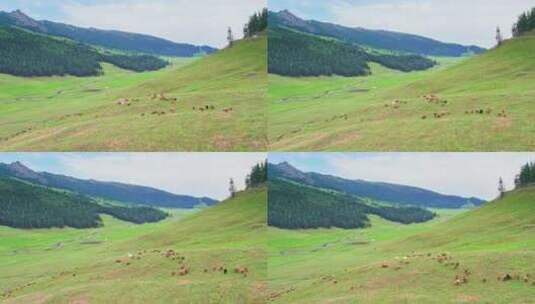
(466, 174)
(198, 22)
(199, 174)
(460, 21)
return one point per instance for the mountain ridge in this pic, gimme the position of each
(381, 39)
(121, 192)
(380, 191)
(113, 39)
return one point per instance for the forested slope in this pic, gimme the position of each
(23, 53)
(24, 205)
(296, 206)
(293, 53)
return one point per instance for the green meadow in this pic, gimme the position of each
(460, 257)
(83, 114)
(142, 263)
(387, 111)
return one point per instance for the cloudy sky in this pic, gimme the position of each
(198, 174)
(465, 174)
(198, 22)
(461, 21)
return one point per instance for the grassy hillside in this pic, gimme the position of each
(65, 266)
(477, 104)
(392, 263)
(58, 114)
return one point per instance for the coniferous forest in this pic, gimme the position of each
(27, 54)
(24, 205)
(293, 53)
(258, 176)
(296, 206)
(136, 63)
(258, 23)
(525, 23)
(526, 176)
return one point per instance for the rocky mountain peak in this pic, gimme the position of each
(23, 20)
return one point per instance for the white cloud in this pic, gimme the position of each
(466, 174)
(198, 22)
(198, 174)
(460, 21)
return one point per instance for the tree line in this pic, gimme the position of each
(27, 54)
(296, 206)
(136, 63)
(258, 23)
(293, 53)
(525, 23)
(258, 176)
(27, 206)
(526, 176)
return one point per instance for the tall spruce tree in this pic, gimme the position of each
(501, 188)
(230, 37)
(232, 188)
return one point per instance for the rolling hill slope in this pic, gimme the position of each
(228, 236)
(106, 38)
(387, 40)
(506, 69)
(84, 114)
(502, 225)
(383, 192)
(128, 194)
(456, 258)
(481, 103)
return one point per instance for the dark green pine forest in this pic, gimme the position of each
(293, 53)
(23, 53)
(526, 176)
(258, 176)
(296, 206)
(28, 206)
(525, 23)
(136, 63)
(258, 23)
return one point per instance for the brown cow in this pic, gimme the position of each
(242, 270)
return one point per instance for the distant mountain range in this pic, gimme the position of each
(379, 39)
(119, 40)
(384, 192)
(125, 193)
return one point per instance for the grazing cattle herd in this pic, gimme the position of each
(462, 274)
(162, 97)
(434, 99)
(183, 268)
